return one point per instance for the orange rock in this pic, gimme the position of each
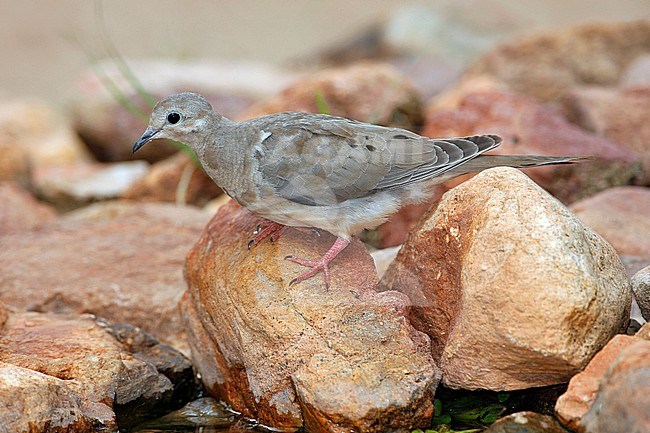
(73, 373)
(529, 127)
(622, 403)
(369, 92)
(120, 261)
(514, 291)
(574, 403)
(338, 359)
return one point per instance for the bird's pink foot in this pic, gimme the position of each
(267, 229)
(319, 265)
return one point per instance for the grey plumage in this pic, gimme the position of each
(321, 171)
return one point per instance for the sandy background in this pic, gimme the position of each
(42, 40)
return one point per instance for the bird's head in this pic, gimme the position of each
(179, 117)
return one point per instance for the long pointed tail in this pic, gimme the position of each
(483, 162)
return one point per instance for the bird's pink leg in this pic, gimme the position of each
(267, 229)
(321, 264)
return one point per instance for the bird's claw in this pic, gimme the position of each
(315, 265)
(264, 230)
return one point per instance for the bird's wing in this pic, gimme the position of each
(324, 160)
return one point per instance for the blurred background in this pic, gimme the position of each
(45, 44)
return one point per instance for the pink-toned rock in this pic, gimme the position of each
(369, 92)
(545, 65)
(618, 115)
(110, 129)
(491, 266)
(71, 374)
(336, 360)
(177, 179)
(19, 210)
(641, 289)
(69, 187)
(621, 216)
(622, 403)
(42, 132)
(529, 127)
(120, 261)
(576, 401)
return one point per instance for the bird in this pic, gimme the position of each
(320, 171)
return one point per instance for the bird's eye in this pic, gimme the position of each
(173, 118)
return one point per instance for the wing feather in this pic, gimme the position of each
(323, 160)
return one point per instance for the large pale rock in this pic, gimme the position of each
(69, 187)
(110, 129)
(641, 290)
(546, 64)
(622, 403)
(621, 216)
(44, 133)
(580, 395)
(338, 360)
(513, 289)
(72, 374)
(620, 115)
(369, 92)
(121, 261)
(529, 127)
(19, 210)
(177, 179)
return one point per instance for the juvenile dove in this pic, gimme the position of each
(314, 170)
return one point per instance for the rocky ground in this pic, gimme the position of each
(127, 289)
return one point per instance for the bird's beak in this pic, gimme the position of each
(147, 136)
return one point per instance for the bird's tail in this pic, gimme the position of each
(483, 162)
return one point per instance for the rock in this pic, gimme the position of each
(110, 129)
(618, 115)
(69, 187)
(574, 403)
(75, 373)
(637, 72)
(120, 261)
(545, 65)
(369, 92)
(621, 216)
(529, 127)
(526, 422)
(177, 179)
(622, 403)
(641, 290)
(43, 133)
(493, 264)
(14, 164)
(644, 332)
(36, 402)
(338, 360)
(20, 210)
